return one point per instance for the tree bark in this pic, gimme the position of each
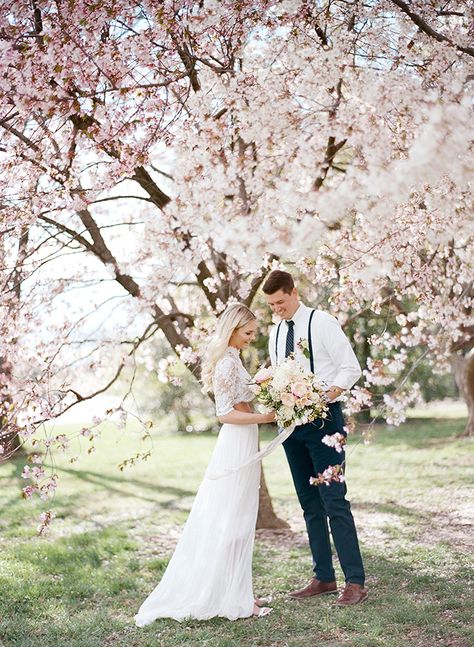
(10, 444)
(463, 369)
(10, 441)
(363, 353)
(266, 515)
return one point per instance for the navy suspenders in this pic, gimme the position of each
(311, 358)
(276, 342)
(310, 345)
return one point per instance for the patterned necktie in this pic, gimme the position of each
(290, 338)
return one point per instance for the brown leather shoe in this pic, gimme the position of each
(352, 594)
(315, 587)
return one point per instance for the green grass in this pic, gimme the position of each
(411, 491)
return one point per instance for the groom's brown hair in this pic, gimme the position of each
(278, 280)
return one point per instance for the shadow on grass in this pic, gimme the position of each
(74, 591)
(419, 433)
(70, 569)
(13, 476)
(82, 591)
(401, 600)
(107, 481)
(68, 504)
(411, 515)
(411, 572)
(18, 463)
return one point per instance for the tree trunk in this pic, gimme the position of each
(266, 515)
(10, 443)
(183, 420)
(364, 417)
(463, 369)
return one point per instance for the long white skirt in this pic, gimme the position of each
(210, 572)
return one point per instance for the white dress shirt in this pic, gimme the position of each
(334, 359)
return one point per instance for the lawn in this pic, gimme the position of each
(80, 585)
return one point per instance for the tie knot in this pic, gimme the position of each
(290, 323)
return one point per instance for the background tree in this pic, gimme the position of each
(161, 155)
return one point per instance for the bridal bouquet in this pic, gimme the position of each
(297, 397)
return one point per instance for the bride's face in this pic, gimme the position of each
(244, 336)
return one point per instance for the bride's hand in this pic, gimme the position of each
(269, 417)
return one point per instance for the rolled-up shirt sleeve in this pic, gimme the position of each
(225, 385)
(339, 348)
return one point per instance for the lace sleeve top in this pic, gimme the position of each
(230, 382)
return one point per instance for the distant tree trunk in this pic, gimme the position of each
(463, 369)
(266, 515)
(183, 419)
(358, 331)
(363, 353)
(9, 439)
(10, 443)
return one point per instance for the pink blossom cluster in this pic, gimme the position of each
(337, 441)
(360, 398)
(332, 474)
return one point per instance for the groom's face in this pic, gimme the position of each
(283, 304)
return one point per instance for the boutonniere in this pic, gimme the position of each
(304, 347)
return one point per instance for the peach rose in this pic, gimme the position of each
(299, 389)
(303, 402)
(263, 375)
(288, 399)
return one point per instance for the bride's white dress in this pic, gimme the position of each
(210, 572)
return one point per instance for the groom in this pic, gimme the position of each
(333, 360)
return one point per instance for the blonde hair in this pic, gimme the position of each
(233, 317)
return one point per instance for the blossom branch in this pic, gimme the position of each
(427, 29)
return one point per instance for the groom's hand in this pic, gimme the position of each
(334, 392)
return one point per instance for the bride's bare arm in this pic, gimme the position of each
(243, 406)
(242, 414)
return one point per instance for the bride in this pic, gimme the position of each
(210, 572)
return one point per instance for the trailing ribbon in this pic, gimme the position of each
(255, 458)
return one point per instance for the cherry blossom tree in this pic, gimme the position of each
(177, 149)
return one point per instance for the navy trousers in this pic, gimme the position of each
(308, 456)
